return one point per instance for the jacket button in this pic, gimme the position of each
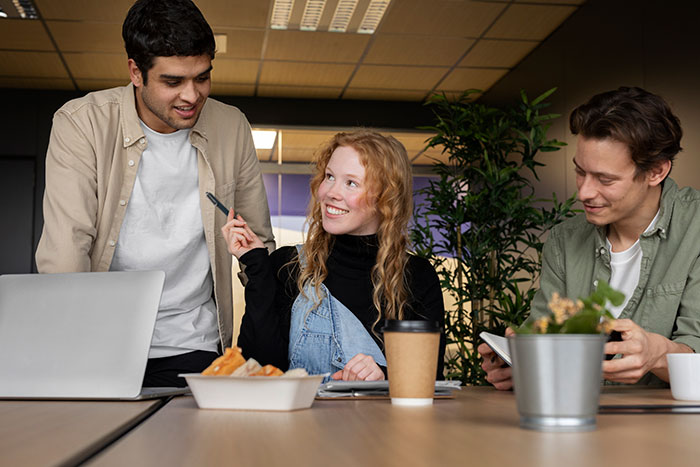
(340, 359)
(112, 243)
(127, 139)
(122, 202)
(131, 163)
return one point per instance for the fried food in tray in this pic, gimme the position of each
(227, 363)
(232, 363)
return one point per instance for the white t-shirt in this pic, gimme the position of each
(625, 268)
(163, 229)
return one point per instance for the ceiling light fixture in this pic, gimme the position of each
(312, 15)
(25, 8)
(373, 16)
(264, 139)
(2, 13)
(343, 14)
(281, 11)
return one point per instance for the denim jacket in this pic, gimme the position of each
(667, 298)
(323, 338)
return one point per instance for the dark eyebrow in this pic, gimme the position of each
(208, 70)
(597, 174)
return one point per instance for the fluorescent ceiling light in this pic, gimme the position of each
(281, 11)
(312, 15)
(25, 8)
(343, 14)
(264, 139)
(373, 16)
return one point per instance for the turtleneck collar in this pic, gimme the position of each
(357, 251)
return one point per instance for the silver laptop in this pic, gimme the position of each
(78, 335)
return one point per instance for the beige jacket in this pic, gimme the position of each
(94, 152)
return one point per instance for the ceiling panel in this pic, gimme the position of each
(73, 36)
(440, 17)
(567, 2)
(235, 71)
(21, 34)
(225, 89)
(305, 74)
(84, 10)
(416, 45)
(301, 145)
(241, 43)
(98, 66)
(31, 64)
(384, 94)
(397, 77)
(235, 13)
(533, 22)
(496, 53)
(313, 92)
(315, 47)
(416, 50)
(36, 83)
(461, 79)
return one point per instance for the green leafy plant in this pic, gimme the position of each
(585, 316)
(481, 225)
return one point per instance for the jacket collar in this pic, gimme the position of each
(129, 118)
(668, 197)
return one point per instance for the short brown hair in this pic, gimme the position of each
(635, 117)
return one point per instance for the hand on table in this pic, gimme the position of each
(497, 371)
(641, 351)
(360, 367)
(239, 237)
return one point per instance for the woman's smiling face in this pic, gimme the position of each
(346, 205)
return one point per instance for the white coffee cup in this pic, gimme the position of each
(684, 372)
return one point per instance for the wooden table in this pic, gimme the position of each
(479, 427)
(63, 432)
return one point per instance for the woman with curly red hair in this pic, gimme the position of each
(321, 305)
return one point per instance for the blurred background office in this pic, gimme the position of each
(303, 69)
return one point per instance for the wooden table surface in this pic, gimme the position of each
(41, 433)
(479, 427)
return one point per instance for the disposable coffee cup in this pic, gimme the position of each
(411, 355)
(684, 375)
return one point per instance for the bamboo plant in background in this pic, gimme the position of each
(480, 224)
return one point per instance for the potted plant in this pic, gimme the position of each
(557, 362)
(480, 223)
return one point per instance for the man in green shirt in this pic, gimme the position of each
(639, 232)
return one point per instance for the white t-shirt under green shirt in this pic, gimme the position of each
(625, 268)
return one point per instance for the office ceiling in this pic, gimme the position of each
(420, 47)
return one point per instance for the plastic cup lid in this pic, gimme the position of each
(395, 325)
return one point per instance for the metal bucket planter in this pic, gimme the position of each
(557, 380)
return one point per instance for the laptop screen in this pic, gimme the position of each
(76, 335)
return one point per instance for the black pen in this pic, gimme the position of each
(217, 203)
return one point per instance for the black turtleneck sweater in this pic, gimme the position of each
(272, 289)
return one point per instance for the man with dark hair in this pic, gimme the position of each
(639, 232)
(127, 170)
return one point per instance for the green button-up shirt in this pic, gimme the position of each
(666, 300)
